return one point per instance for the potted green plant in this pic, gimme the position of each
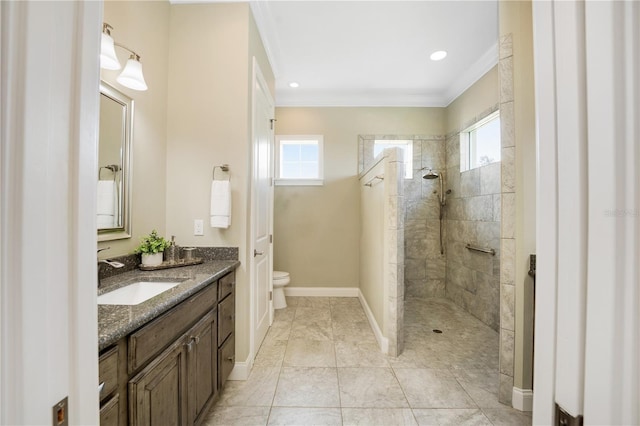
(151, 248)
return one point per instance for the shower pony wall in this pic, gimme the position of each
(382, 248)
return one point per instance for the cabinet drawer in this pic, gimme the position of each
(159, 333)
(108, 372)
(226, 318)
(226, 360)
(225, 285)
(109, 412)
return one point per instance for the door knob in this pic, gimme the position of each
(257, 253)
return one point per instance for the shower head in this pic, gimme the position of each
(431, 175)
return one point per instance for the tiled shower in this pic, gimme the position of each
(471, 216)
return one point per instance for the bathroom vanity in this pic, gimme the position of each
(165, 360)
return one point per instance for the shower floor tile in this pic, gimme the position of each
(320, 364)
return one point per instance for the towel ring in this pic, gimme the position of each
(222, 167)
(114, 168)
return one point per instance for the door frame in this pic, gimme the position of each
(258, 78)
(49, 344)
(587, 323)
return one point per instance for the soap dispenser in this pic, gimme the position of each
(172, 251)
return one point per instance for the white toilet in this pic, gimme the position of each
(280, 279)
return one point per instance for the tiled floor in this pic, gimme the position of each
(320, 365)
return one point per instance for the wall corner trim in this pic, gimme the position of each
(383, 342)
(241, 370)
(522, 399)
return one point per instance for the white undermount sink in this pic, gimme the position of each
(135, 293)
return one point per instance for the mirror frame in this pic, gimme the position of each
(124, 231)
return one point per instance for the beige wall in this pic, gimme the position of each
(209, 124)
(316, 229)
(516, 18)
(480, 97)
(143, 27)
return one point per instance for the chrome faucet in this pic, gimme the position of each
(111, 263)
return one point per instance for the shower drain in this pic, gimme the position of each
(437, 331)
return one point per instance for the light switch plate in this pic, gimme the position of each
(198, 227)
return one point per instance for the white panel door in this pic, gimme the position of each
(262, 208)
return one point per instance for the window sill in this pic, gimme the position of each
(299, 182)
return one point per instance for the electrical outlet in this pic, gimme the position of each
(198, 227)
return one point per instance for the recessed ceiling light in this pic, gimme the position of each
(439, 55)
(294, 84)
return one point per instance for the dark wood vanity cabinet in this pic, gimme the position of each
(226, 328)
(169, 375)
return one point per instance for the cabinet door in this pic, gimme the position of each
(157, 395)
(202, 350)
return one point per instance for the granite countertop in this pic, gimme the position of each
(117, 321)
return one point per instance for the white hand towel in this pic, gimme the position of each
(106, 203)
(220, 204)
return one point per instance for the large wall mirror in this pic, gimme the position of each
(114, 173)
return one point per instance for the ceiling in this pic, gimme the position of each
(376, 53)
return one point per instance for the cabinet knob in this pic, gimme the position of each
(231, 358)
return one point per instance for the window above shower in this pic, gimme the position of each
(480, 143)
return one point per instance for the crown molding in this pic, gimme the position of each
(268, 34)
(474, 73)
(356, 98)
(389, 97)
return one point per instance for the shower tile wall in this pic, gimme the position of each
(473, 216)
(425, 267)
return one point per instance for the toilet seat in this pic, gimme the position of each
(280, 276)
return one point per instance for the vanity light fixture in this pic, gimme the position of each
(131, 76)
(108, 58)
(438, 56)
(294, 84)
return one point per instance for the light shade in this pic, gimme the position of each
(108, 58)
(131, 76)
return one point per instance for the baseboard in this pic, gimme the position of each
(522, 399)
(321, 291)
(241, 370)
(383, 342)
